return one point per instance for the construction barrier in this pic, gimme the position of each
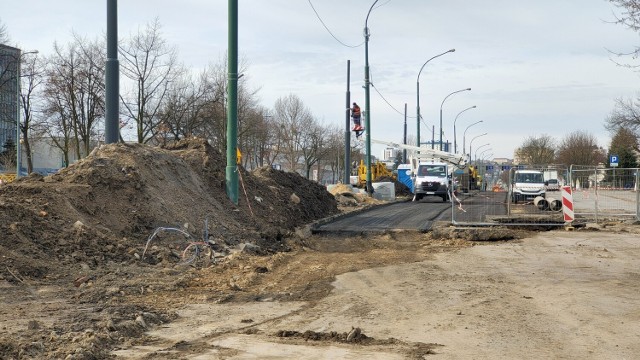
(567, 204)
(604, 194)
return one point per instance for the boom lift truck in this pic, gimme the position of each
(431, 170)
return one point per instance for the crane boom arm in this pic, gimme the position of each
(424, 153)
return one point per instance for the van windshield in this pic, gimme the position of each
(432, 170)
(529, 178)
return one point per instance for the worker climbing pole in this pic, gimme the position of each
(357, 122)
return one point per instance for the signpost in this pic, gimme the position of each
(613, 160)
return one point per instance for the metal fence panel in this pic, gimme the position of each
(599, 194)
(606, 193)
(493, 202)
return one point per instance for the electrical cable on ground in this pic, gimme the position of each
(245, 192)
(167, 229)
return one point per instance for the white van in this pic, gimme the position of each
(431, 179)
(527, 184)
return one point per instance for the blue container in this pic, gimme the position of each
(404, 175)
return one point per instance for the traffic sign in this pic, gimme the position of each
(613, 160)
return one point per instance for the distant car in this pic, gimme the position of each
(553, 185)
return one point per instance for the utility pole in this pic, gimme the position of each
(347, 130)
(232, 104)
(367, 85)
(112, 77)
(404, 140)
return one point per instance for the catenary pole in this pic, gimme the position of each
(347, 129)
(367, 119)
(232, 104)
(18, 145)
(404, 140)
(112, 77)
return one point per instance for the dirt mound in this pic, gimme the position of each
(102, 208)
(349, 198)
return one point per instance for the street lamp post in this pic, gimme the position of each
(486, 158)
(418, 95)
(18, 103)
(476, 153)
(471, 143)
(367, 119)
(445, 99)
(455, 142)
(481, 157)
(483, 171)
(464, 136)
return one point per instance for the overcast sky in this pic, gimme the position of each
(534, 67)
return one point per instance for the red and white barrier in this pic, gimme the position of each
(567, 203)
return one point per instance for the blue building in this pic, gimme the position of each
(9, 75)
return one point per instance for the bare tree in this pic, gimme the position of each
(56, 121)
(257, 132)
(214, 111)
(181, 114)
(626, 114)
(90, 93)
(537, 150)
(215, 106)
(629, 17)
(313, 145)
(292, 117)
(74, 96)
(272, 144)
(152, 66)
(32, 78)
(580, 148)
(4, 33)
(334, 156)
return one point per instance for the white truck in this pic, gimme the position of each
(527, 185)
(551, 178)
(431, 170)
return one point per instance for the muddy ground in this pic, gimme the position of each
(98, 262)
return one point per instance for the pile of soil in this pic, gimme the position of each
(102, 208)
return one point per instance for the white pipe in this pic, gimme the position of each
(541, 203)
(554, 204)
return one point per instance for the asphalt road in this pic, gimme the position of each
(418, 216)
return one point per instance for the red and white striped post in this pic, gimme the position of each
(567, 204)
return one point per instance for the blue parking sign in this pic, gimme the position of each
(613, 160)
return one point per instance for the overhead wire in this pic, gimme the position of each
(385, 100)
(329, 31)
(355, 46)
